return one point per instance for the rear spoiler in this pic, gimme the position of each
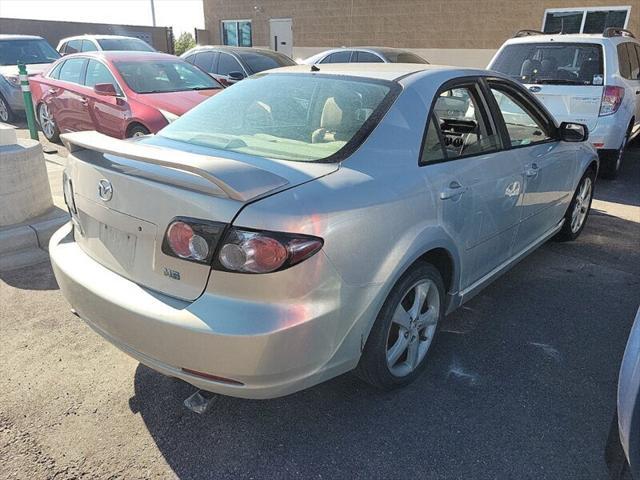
(237, 180)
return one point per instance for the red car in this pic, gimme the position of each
(121, 94)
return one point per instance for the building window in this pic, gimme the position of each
(584, 20)
(236, 33)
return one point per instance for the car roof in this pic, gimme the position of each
(379, 71)
(571, 38)
(230, 49)
(87, 36)
(19, 37)
(115, 55)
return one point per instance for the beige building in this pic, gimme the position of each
(462, 32)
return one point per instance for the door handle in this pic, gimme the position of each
(637, 92)
(53, 91)
(84, 102)
(532, 170)
(452, 191)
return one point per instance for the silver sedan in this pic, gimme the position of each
(310, 221)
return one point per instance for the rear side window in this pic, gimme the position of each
(458, 127)
(367, 57)
(71, 70)
(634, 60)
(624, 63)
(228, 64)
(99, 73)
(204, 60)
(88, 46)
(338, 57)
(74, 46)
(552, 63)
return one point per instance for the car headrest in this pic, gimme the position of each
(530, 67)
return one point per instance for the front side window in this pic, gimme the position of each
(287, 116)
(74, 46)
(98, 73)
(237, 33)
(228, 64)
(463, 126)
(368, 57)
(404, 57)
(71, 70)
(552, 63)
(163, 76)
(338, 57)
(28, 52)
(521, 123)
(133, 44)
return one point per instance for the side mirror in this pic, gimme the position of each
(573, 132)
(235, 76)
(106, 89)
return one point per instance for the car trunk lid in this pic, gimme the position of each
(127, 192)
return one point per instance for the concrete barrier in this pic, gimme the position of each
(24, 185)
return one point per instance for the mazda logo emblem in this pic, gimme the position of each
(105, 190)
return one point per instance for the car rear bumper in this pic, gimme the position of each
(13, 96)
(608, 133)
(266, 350)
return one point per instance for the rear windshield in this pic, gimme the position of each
(163, 76)
(552, 63)
(258, 62)
(288, 116)
(134, 44)
(13, 52)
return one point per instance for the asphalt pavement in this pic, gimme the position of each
(521, 384)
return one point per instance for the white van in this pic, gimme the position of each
(586, 78)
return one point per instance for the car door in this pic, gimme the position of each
(70, 104)
(550, 166)
(207, 61)
(475, 182)
(108, 114)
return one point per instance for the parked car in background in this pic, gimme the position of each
(623, 446)
(364, 55)
(588, 78)
(99, 43)
(121, 94)
(231, 64)
(299, 225)
(35, 53)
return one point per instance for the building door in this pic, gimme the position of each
(281, 39)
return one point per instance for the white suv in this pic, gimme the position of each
(584, 78)
(92, 43)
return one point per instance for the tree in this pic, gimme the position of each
(183, 43)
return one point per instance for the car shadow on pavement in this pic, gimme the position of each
(34, 277)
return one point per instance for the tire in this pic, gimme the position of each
(6, 114)
(611, 161)
(137, 130)
(389, 340)
(47, 123)
(574, 222)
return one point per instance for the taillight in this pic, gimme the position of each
(611, 100)
(192, 239)
(248, 251)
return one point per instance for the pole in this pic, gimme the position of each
(153, 14)
(28, 102)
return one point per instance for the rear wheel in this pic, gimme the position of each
(396, 350)
(6, 114)
(137, 131)
(576, 217)
(47, 123)
(611, 161)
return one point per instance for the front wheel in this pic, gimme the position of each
(396, 350)
(576, 216)
(47, 123)
(137, 131)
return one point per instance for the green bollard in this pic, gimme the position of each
(28, 102)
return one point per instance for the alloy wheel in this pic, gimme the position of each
(4, 111)
(46, 121)
(412, 327)
(582, 203)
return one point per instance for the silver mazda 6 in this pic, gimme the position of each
(311, 221)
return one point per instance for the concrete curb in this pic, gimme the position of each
(26, 244)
